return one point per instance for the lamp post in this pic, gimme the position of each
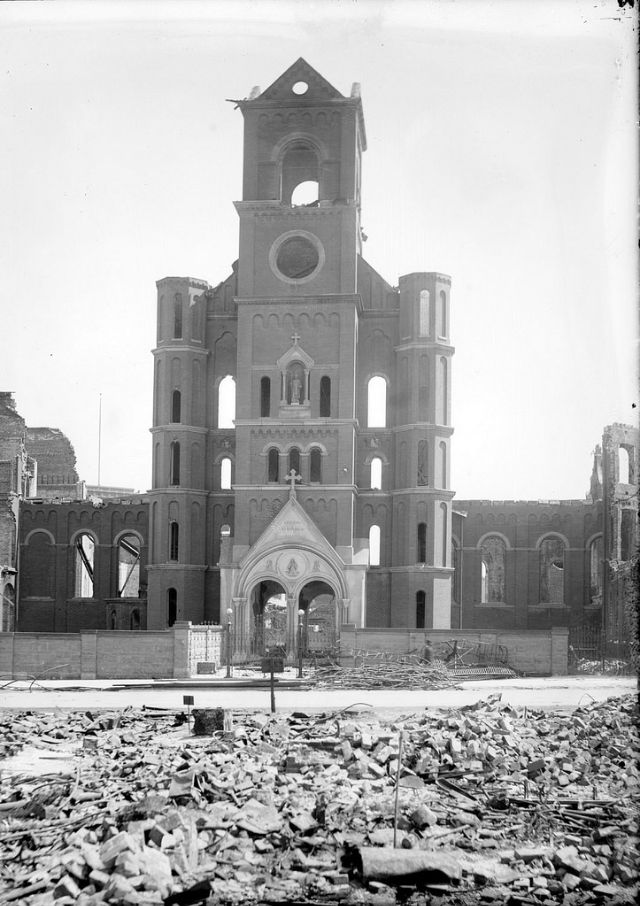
(229, 616)
(300, 617)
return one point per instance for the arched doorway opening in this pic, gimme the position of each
(268, 619)
(318, 633)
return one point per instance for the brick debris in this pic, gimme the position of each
(481, 804)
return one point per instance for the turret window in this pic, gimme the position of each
(375, 481)
(424, 313)
(174, 465)
(294, 460)
(420, 609)
(374, 545)
(226, 402)
(176, 406)
(174, 540)
(172, 606)
(225, 474)
(377, 402)
(273, 463)
(315, 465)
(177, 317)
(422, 542)
(265, 397)
(325, 397)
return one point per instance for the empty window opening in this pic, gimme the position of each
(226, 402)
(420, 609)
(377, 402)
(423, 464)
(134, 622)
(299, 167)
(176, 406)
(493, 552)
(444, 392)
(174, 465)
(424, 313)
(595, 570)
(552, 571)
(376, 474)
(273, 465)
(443, 314)
(443, 464)
(172, 606)
(225, 474)
(300, 88)
(85, 556)
(627, 518)
(422, 542)
(174, 540)
(444, 540)
(265, 397)
(177, 317)
(294, 460)
(128, 566)
(325, 397)
(315, 465)
(305, 193)
(374, 545)
(624, 462)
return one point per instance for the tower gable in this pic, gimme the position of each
(300, 71)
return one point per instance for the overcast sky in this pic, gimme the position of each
(502, 151)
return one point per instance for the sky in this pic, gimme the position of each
(502, 150)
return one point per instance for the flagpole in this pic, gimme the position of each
(99, 435)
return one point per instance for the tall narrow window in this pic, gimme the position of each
(294, 460)
(174, 466)
(176, 405)
(595, 570)
(325, 397)
(128, 566)
(177, 317)
(444, 392)
(376, 474)
(273, 463)
(315, 465)
(265, 397)
(422, 542)
(444, 541)
(377, 402)
(172, 606)
(424, 313)
(443, 314)
(457, 563)
(225, 473)
(552, 571)
(85, 555)
(174, 540)
(624, 471)
(134, 621)
(226, 402)
(374, 545)
(423, 464)
(493, 553)
(443, 464)
(420, 609)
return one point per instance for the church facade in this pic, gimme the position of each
(301, 429)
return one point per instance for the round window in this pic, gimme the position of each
(297, 258)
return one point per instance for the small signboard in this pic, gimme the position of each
(273, 665)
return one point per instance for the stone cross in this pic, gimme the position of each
(292, 477)
(295, 338)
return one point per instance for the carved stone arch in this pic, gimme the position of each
(319, 319)
(376, 454)
(589, 541)
(493, 534)
(40, 531)
(288, 141)
(555, 535)
(83, 531)
(128, 531)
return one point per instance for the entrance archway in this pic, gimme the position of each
(268, 609)
(320, 620)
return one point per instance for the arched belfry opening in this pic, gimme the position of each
(268, 608)
(300, 174)
(318, 622)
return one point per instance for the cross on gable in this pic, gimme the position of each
(295, 338)
(291, 478)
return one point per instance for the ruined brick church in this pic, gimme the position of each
(302, 445)
(336, 458)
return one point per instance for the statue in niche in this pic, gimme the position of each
(296, 389)
(295, 379)
(292, 568)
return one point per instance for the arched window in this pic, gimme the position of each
(172, 606)
(226, 402)
(177, 317)
(377, 402)
(420, 609)
(443, 314)
(374, 545)
(624, 471)
(273, 464)
(595, 570)
(325, 397)
(444, 541)
(128, 566)
(493, 553)
(443, 464)
(174, 540)
(315, 465)
(265, 397)
(225, 473)
(424, 313)
(375, 481)
(299, 168)
(423, 464)
(444, 392)
(174, 464)
(85, 555)
(176, 405)
(455, 550)
(422, 542)
(552, 571)
(294, 460)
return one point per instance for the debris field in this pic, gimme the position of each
(482, 804)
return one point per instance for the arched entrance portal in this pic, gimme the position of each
(268, 608)
(320, 620)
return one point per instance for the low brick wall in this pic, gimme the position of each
(535, 652)
(95, 655)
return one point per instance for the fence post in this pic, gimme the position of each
(181, 632)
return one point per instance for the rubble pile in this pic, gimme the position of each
(400, 673)
(483, 804)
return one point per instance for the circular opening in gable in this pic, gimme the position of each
(300, 88)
